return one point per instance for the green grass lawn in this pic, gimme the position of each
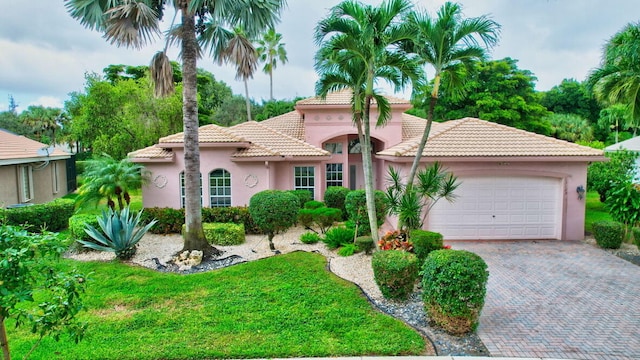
(595, 210)
(136, 203)
(284, 306)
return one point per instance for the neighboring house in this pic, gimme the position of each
(515, 184)
(632, 144)
(30, 172)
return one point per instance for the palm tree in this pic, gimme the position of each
(359, 48)
(450, 44)
(243, 55)
(135, 23)
(270, 51)
(617, 81)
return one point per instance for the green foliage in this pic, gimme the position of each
(365, 244)
(310, 238)
(602, 176)
(33, 291)
(608, 234)
(313, 204)
(274, 108)
(347, 250)
(120, 233)
(570, 127)
(636, 236)
(335, 197)
(395, 273)
(338, 236)
(231, 214)
(454, 287)
(571, 97)
(303, 196)
(499, 92)
(323, 218)
(274, 211)
(77, 224)
(424, 242)
(224, 234)
(356, 206)
(623, 203)
(52, 216)
(168, 220)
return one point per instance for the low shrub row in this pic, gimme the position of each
(171, 220)
(51, 216)
(223, 234)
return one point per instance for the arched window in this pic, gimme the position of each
(182, 190)
(220, 188)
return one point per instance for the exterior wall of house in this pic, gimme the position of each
(48, 183)
(9, 188)
(572, 174)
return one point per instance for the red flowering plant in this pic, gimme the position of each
(395, 240)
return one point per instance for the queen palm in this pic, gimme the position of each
(449, 43)
(135, 23)
(270, 52)
(617, 80)
(358, 49)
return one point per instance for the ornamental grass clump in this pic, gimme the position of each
(395, 273)
(608, 234)
(454, 286)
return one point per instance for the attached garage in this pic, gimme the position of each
(501, 208)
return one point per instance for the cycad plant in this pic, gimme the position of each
(120, 233)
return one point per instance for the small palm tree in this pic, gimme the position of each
(243, 55)
(110, 179)
(450, 44)
(271, 51)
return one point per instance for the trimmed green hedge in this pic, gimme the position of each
(51, 216)
(335, 197)
(425, 242)
(77, 225)
(608, 234)
(170, 220)
(224, 234)
(395, 272)
(356, 206)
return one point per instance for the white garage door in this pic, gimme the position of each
(501, 208)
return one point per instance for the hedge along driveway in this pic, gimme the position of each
(284, 306)
(558, 299)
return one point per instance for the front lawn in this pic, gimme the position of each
(595, 210)
(283, 306)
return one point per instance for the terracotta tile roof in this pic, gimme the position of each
(266, 141)
(413, 126)
(206, 134)
(152, 152)
(290, 123)
(17, 147)
(471, 137)
(342, 97)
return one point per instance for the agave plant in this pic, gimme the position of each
(120, 233)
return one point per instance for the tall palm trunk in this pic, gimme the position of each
(271, 84)
(246, 93)
(194, 235)
(367, 167)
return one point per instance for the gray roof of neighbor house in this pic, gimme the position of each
(632, 144)
(17, 149)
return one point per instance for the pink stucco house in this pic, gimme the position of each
(515, 184)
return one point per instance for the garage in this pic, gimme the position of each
(501, 207)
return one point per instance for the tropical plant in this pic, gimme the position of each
(570, 127)
(33, 290)
(614, 117)
(623, 203)
(450, 44)
(617, 80)
(120, 233)
(603, 176)
(107, 178)
(271, 51)
(274, 211)
(412, 204)
(241, 53)
(135, 23)
(359, 47)
(43, 121)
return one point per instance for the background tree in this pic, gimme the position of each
(617, 80)
(10, 121)
(359, 48)
(33, 291)
(241, 53)
(44, 122)
(271, 51)
(617, 118)
(449, 43)
(570, 127)
(498, 91)
(603, 176)
(233, 110)
(274, 108)
(571, 97)
(134, 24)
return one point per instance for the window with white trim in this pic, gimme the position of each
(304, 179)
(333, 174)
(182, 190)
(54, 177)
(25, 183)
(220, 188)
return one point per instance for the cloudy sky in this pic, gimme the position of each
(44, 53)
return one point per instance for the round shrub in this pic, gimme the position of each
(395, 273)
(608, 234)
(338, 236)
(313, 204)
(273, 211)
(365, 243)
(302, 195)
(356, 206)
(310, 238)
(454, 286)
(425, 242)
(335, 197)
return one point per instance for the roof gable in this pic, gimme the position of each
(470, 137)
(206, 134)
(17, 149)
(343, 97)
(290, 123)
(266, 141)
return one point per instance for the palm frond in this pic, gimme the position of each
(162, 75)
(131, 23)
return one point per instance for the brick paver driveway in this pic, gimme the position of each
(555, 299)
